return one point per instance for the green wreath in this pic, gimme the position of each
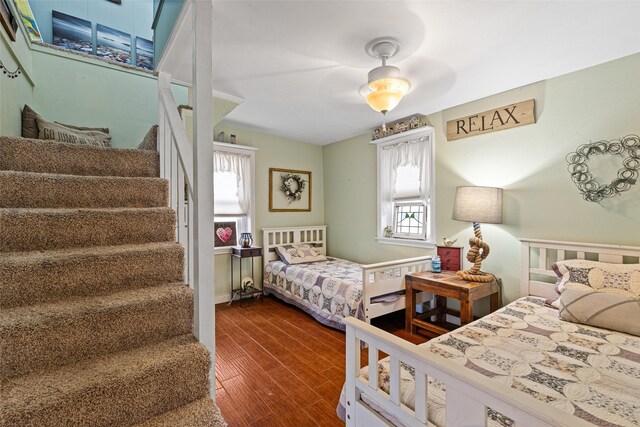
(287, 186)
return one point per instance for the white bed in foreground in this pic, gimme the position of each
(373, 281)
(469, 397)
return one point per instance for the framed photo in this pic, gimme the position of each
(72, 33)
(225, 234)
(29, 20)
(289, 190)
(8, 20)
(144, 53)
(113, 45)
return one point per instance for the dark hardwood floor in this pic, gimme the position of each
(277, 366)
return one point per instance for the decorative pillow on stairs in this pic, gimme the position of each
(150, 141)
(30, 125)
(62, 133)
(601, 294)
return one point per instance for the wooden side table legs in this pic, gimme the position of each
(410, 310)
(466, 311)
(441, 309)
(495, 301)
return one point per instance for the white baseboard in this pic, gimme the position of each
(226, 298)
(222, 299)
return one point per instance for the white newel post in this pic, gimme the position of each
(204, 322)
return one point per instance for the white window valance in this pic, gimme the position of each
(404, 167)
(226, 166)
(406, 178)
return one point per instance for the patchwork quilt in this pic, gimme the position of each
(589, 372)
(328, 290)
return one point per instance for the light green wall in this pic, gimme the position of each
(87, 92)
(82, 91)
(541, 201)
(279, 153)
(14, 92)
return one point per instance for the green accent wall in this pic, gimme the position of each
(273, 152)
(540, 200)
(14, 93)
(77, 90)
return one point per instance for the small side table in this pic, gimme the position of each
(445, 285)
(451, 257)
(240, 253)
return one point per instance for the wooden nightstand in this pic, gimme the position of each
(445, 285)
(451, 257)
(240, 253)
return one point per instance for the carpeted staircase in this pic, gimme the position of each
(95, 318)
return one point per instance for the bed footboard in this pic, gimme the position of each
(385, 278)
(468, 393)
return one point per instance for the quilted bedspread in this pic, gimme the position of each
(589, 372)
(328, 290)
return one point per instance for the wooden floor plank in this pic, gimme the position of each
(324, 414)
(278, 366)
(227, 406)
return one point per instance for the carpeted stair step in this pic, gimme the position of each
(39, 190)
(37, 155)
(201, 413)
(116, 390)
(47, 336)
(43, 229)
(39, 277)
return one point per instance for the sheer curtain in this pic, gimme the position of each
(240, 166)
(413, 153)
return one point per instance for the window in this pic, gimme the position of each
(405, 188)
(234, 187)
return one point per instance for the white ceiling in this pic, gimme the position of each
(299, 64)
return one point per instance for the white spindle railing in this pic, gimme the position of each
(190, 167)
(468, 393)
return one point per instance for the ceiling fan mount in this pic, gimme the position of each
(383, 48)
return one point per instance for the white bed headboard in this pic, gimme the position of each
(537, 257)
(272, 237)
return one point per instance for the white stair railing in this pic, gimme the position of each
(189, 170)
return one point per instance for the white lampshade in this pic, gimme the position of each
(478, 204)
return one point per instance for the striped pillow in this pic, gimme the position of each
(601, 294)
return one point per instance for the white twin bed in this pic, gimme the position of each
(334, 289)
(521, 365)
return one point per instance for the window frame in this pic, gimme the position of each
(425, 216)
(428, 198)
(250, 218)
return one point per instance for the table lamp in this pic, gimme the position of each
(477, 204)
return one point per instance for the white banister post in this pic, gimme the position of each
(163, 80)
(204, 322)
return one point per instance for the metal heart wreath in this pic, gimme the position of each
(627, 147)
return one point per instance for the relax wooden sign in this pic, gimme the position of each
(502, 118)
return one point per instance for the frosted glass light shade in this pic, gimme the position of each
(387, 88)
(478, 204)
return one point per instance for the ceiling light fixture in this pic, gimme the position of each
(385, 88)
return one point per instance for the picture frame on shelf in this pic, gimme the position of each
(72, 33)
(113, 45)
(29, 20)
(8, 20)
(289, 190)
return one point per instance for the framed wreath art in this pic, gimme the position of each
(627, 148)
(289, 190)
